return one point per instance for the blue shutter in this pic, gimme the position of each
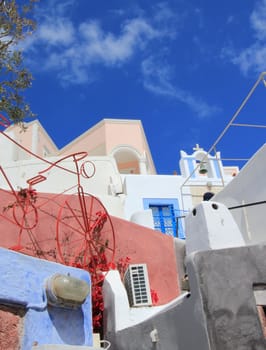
(164, 219)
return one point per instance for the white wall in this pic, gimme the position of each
(210, 225)
(246, 188)
(105, 184)
(123, 200)
(139, 187)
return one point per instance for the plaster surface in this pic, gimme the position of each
(226, 278)
(22, 280)
(219, 313)
(210, 225)
(140, 244)
(248, 187)
(11, 323)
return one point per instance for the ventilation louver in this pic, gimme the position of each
(137, 285)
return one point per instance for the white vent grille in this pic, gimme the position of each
(137, 285)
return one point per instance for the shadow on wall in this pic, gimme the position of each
(74, 320)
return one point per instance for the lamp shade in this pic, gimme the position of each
(66, 291)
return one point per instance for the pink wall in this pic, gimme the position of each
(26, 138)
(140, 244)
(124, 134)
(110, 133)
(144, 245)
(88, 141)
(11, 326)
(107, 136)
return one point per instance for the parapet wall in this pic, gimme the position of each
(221, 312)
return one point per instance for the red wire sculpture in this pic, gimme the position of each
(83, 232)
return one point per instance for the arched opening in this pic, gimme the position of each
(203, 164)
(127, 160)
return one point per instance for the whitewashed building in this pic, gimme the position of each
(125, 177)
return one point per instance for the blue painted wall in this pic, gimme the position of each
(191, 167)
(22, 281)
(217, 169)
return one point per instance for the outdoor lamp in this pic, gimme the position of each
(66, 291)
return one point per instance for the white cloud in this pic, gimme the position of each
(252, 58)
(157, 79)
(58, 32)
(53, 32)
(71, 50)
(258, 20)
(111, 49)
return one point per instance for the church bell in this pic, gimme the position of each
(203, 168)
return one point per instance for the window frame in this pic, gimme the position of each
(147, 202)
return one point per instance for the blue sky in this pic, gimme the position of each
(182, 67)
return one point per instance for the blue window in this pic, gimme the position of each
(167, 216)
(164, 219)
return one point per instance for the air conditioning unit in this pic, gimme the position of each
(137, 285)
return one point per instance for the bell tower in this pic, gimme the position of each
(201, 165)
